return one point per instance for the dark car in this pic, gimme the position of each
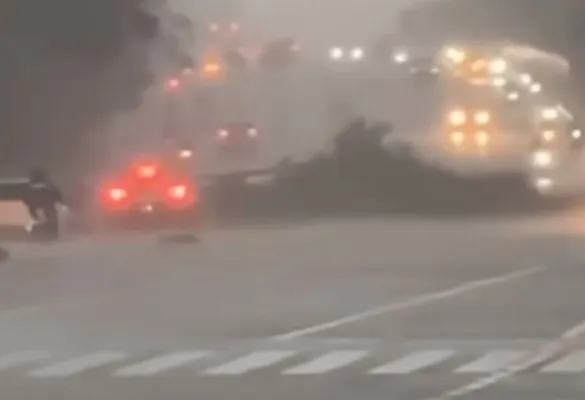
(238, 137)
(423, 66)
(280, 53)
(148, 191)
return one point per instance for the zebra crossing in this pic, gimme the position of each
(208, 363)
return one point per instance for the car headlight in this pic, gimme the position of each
(482, 138)
(535, 88)
(542, 158)
(549, 135)
(513, 96)
(457, 117)
(400, 58)
(457, 138)
(185, 153)
(576, 134)
(498, 66)
(456, 55)
(549, 114)
(482, 117)
(499, 82)
(526, 79)
(357, 53)
(336, 53)
(543, 184)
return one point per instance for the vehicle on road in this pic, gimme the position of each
(469, 131)
(149, 190)
(423, 67)
(557, 127)
(346, 54)
(554, 166)
(23, 214)
(280, 53)
(237, 138)
(475, 66)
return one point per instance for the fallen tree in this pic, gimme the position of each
(360, 176)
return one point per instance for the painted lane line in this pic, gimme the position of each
(410, 303)
(161, 364)
(250, 362)
(571, 363)
(413, 362)
(17, 359)
(329, 362)
(491, 362)
(76, 365)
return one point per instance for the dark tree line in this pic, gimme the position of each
(66, 66)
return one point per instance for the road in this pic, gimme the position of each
(357, 308)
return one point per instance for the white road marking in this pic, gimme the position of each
(571, 363)
(491, 362)
(497, 364)
(328, 362)
(250, 362)
(546, 353)
(410, 303)
(161, 364)
(76, 365)
(413, 362)
(21, 358)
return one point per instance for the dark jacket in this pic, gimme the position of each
(43, 198)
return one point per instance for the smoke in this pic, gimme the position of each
(68, 66)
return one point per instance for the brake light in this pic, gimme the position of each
(146, 171)
(223, 133)
(117, 194)
(178, 192)
(115, 198)
(180, 196)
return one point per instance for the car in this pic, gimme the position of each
(148, 191)
(476, 66)
(423, 66)
(556, 126)
(16, 220)
(280, 53)
(237, 137)
(346, 54)
(469, 130)
(551, 171)
(511, 90)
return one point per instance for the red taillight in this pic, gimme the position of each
(115, 198)
(181, 196)
(178, 192)
(117, 194)
(146, 171)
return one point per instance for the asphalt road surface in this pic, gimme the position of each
(369, 309)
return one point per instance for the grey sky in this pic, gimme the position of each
(325, 21)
